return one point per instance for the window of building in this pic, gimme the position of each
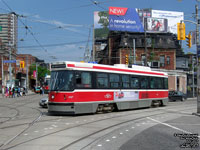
(168, 60)
(162, 61)
(143, 58)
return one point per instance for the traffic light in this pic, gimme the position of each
(21, 64)
(126, 59)
(189, 40)
(180, 31)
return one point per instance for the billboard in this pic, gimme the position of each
(173, 18)
(134, 20)
(124, 19)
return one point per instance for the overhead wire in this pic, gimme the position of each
(26, 27)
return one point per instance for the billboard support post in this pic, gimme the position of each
(134, 57)
(145, 45)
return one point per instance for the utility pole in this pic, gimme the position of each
(36, 75)
(198, 64)
(2, 75)
(93, 52)
(27, 83)
(10, 67)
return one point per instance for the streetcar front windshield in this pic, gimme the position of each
(61, 81)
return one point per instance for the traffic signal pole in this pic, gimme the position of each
(198, 64)
(197, 56)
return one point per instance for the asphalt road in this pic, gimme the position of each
(25, 125)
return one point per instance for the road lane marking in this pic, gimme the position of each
(168, 125)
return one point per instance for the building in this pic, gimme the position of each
(8, 28)
(159, 53)
(8, 48)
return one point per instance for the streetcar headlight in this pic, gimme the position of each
(52, 96)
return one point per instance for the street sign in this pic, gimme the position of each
(9, 61)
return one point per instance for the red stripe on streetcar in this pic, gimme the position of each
(125, 70)
(70, 65)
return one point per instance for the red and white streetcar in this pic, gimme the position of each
(78, 88)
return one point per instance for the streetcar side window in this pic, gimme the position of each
(159, 83)
(125, 81)
(152, 83)
(114, 81)
(102, 80)
(156, 83)
(165, 83)
(144, 83)
(83, 80)
(135, 82)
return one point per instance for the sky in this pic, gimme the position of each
(59, 30)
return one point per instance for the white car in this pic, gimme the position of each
(43, 102)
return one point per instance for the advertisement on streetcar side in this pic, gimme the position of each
(126, 95)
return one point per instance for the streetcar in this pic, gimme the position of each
(80, 88)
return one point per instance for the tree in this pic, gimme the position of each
(42, 71)
(103, 19)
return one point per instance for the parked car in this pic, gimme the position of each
(43, 102)
(177, 95)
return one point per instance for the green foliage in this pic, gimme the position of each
(42, 71)
(101, 33)
(103, 19)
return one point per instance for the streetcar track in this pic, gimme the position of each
(163, 111)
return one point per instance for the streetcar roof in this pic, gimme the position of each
(119, 68)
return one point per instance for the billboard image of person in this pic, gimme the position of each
(155, 24)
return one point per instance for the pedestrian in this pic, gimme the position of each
(21, 91)
(13, 92)
(10, 92)
(41, 90)
(24, 91)
(6, 92)
(18, 91)
(3, 91)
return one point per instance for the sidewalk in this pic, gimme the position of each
(30, 92)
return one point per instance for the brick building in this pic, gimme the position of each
(160, 53)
